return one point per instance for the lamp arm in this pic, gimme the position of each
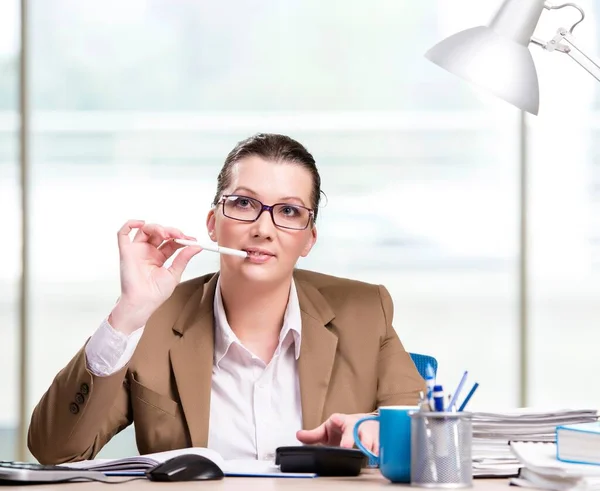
(587, 62)
(565, 42)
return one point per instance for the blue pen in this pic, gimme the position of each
(430, 382)
(438, 398)
(468, 398)
(458, 391)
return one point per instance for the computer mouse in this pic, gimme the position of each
(186, 467)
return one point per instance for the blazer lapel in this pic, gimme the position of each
(192, 360)
(317, 353)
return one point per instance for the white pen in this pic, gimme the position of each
(213, 248)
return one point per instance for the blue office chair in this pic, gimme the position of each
(421, 362)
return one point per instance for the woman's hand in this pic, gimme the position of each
(338, 430)
(145, 283)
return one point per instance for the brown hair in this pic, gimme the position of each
(278, 148)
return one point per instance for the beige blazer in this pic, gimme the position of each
(351, 361)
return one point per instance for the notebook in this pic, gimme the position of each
(579, 443)
(141, 463)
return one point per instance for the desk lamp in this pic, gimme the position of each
(496, 57)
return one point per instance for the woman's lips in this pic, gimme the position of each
(258, 256)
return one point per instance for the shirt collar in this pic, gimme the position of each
(225, 337)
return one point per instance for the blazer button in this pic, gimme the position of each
(74, 408)
(79, 398)
(84, 389)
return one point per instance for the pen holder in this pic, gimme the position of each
(441, 450)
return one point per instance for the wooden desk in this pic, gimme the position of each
(367, 481)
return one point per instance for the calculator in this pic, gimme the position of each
(28, 472)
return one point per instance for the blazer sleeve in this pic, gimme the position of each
(399, 382)
(78, 414)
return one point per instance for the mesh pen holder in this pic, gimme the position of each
(441, 450)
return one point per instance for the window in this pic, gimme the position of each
(135, 105)
(565, 224)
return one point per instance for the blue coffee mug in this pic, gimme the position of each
(394, 441)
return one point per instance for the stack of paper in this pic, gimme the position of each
(492, 433)
(541, 469)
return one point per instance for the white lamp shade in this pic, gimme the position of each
(493, 62)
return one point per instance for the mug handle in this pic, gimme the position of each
(373, 459)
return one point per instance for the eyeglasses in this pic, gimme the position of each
(284, 215)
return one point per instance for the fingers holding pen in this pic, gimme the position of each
(169, 247)
(156, 235)
(151, 233)
(151, 242)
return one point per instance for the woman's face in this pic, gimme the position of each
(273, 251)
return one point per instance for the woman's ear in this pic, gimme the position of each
(211, 225)
(310, 242)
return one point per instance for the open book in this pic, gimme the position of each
(142, 463)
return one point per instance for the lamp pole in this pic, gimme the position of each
(523, 282)
(21, 448)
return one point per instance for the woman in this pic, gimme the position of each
(257, 356)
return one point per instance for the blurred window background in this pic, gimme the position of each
(134, 106)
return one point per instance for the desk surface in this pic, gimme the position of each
(368, 480)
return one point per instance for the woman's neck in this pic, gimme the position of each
(255, 313)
